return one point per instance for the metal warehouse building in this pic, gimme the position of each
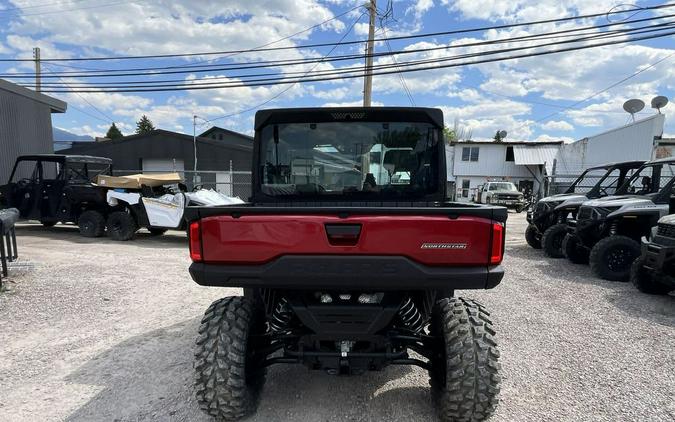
(25, 124)
(219, 161)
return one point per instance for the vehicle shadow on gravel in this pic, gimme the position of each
(656, 309)
(71, 233)
(150, 376)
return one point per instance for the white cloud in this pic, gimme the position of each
(358, 103)
(557, 125)
(485, 118)
(548, 138)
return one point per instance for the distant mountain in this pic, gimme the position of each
(64, 135)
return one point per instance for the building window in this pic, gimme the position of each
(509, 154)
(470, 153)
(466, 185)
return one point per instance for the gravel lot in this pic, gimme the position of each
(100, 330)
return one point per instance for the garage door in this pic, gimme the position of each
(162, 165)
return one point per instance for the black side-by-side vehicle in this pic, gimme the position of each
(548, 218)
(56, 188)
(654, 271)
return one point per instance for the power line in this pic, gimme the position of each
(274, 97)
(90, 104)
(595, 94)
(295, 62)
(284, 38)
(415, 36)
(5, 18)
(400, 75)
(36, 6)
(345, 73)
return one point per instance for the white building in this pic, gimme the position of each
(472, 163)
(640, 140)
(530, 165)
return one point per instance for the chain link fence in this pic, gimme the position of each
(230, 183)
(560, 183)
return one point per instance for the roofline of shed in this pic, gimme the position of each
(232, 132)
(55, 105)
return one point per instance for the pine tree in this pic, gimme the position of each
(114, 132)
(144, 125)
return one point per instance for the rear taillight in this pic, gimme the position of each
(497, 249)
(195, 234)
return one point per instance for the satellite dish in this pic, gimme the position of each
(633, 106)
(659, 102)
(502, 133)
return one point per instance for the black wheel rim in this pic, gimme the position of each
(619, 259)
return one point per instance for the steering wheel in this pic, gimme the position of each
(197, 187)
(24, 182)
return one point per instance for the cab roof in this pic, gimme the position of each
(66, 158)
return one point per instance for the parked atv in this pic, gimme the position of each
(654, 271)
(55, 188)
(611, 228)
(346, 272)
(548, 218)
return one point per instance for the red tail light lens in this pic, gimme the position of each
(195, 234)
(498, 239)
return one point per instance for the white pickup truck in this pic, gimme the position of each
(501, 193)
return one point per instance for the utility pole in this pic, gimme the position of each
(36, 56)
(370, 48)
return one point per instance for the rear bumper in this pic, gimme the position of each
(346, 272)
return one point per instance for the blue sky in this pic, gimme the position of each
(512, 95)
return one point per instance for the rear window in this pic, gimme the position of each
(368, 160)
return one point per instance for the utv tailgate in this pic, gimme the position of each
(299, 249)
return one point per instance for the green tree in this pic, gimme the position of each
(449, 134)
(498, 137)
(144, 125)
(114, 132)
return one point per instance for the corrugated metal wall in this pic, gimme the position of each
(631, 142)
(25, 128)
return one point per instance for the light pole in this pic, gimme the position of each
(194, 146)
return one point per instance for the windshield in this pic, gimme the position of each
(82, 172)
(588, 180)
(503, 186)
(364, 159)
(650, 179)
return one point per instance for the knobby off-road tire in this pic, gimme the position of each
(91, 224)
(532, 237)
(228, 380)
(646, 281)
(573, 250)
(611, 258)
(552, 240)
(465, 372)
(121, 226)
